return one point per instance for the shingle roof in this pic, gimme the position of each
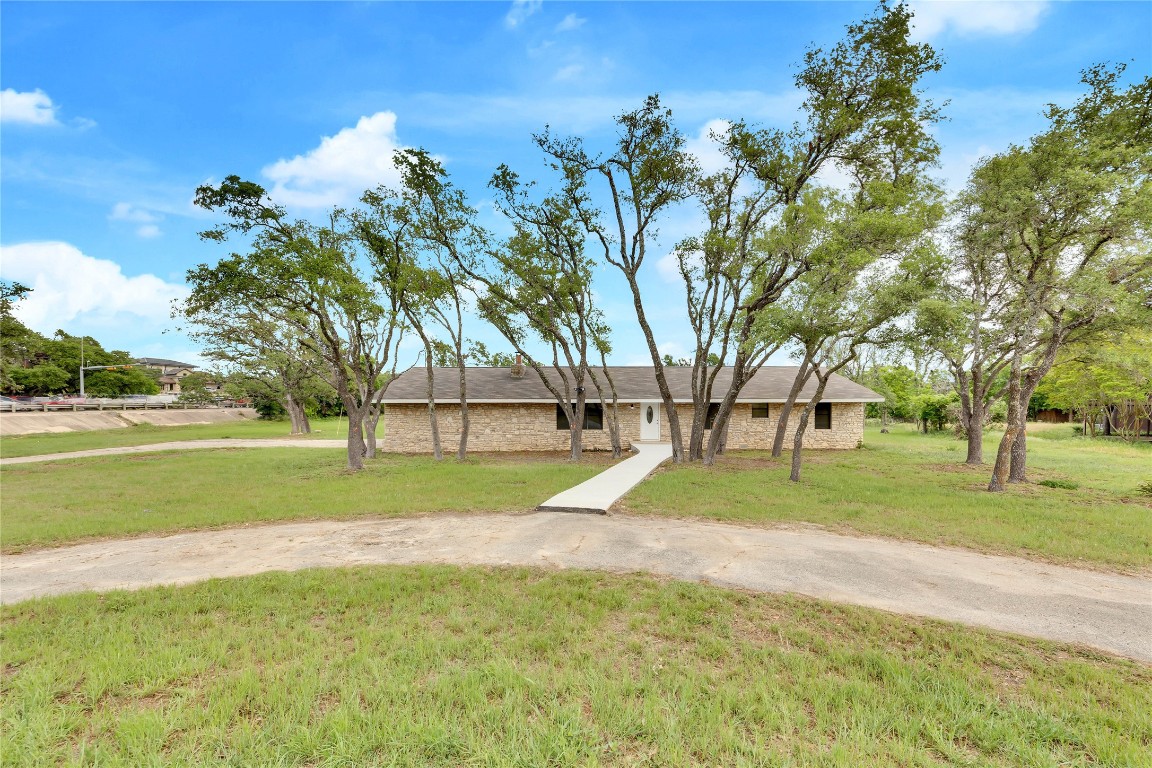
(633, 383)
(164, 363)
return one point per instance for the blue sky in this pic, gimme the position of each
(112, 114)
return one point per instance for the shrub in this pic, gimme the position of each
(1066, 484)
(269, 408)
(1145, 489)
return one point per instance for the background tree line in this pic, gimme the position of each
(38, 365)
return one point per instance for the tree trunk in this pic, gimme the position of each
(356, 445)
(1018, 469)
(462, 450)
(975, 434)
(614, 417)
(884, 418)
(296, 415)
(371, 419)
(718, 440)
(786, 411)
(798, 438)
(798, 444)
(433, 418)
(1011, 431)
(658, 364)
(576, 427)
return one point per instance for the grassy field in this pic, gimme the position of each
(12, 446)
(914, 486)
(441, 666)
(62, 501)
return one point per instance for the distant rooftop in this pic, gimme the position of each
(160, 362)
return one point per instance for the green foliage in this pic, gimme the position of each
(900, 386)
(199, 387)
(1054, 483)
(931, 408)
(1145, 489)
(1089, 376)
(41, 379)
(269, 407)
(33, 364)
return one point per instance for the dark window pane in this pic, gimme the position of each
(823, 415)
(713, 409)
(593, 416)
(759, 410)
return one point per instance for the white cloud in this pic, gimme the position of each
(136, 215)
(341, 168)
(31, 107)
(129, 212)
(68, 284)
(975, 17)
(705, 148)
(570, 22)
(569, 73)
(520, 11)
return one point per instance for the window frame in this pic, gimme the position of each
(767, 408)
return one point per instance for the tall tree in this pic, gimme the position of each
(866, 118)
(1070, 216)
(876, 269)
(645, 176)
(968, 324)
(311, 279)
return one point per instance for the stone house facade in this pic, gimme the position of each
(510, 413)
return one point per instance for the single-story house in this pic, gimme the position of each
(512, 410)
(171, 371)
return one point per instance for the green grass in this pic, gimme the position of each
(41, 443)
(442, 666)
(916, 487)
(63, 501)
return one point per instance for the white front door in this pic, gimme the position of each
(650, 420)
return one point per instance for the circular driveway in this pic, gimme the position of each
(1110, 612)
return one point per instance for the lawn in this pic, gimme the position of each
(912, 486)
(41, 443)
(444, 666)
(69, 500)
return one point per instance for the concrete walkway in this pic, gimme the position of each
(597, 494)
(1106, 611)
(181, 445)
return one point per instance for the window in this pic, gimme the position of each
(759, 410)
(593, 416)
(713, 409)
(823, 415)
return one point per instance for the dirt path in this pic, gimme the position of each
(1106, 611)
(182, 445)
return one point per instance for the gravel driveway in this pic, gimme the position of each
(1110, 612)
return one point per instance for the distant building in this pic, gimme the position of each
(171, 371)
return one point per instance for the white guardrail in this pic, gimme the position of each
(53, 405)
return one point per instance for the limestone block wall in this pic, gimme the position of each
(745, 432)
(532, 427)
(493, 427)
